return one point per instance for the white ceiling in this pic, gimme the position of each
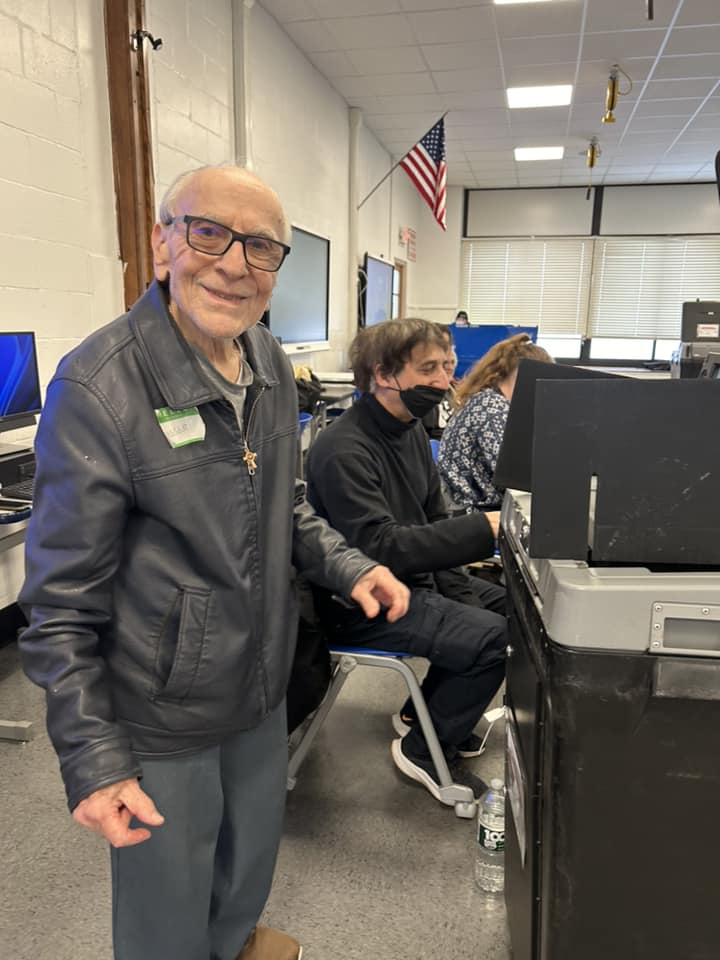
(405, 62)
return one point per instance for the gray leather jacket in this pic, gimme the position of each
(159, 584)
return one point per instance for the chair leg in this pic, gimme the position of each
(342, 666)
(452, 794)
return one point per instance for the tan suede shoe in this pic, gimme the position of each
(264, 943)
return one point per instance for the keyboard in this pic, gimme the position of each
(22, 490)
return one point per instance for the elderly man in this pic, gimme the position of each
(159, 588)
(371, 475)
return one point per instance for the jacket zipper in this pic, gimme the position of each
(249, 456)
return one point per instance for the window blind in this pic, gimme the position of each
(518, 281)
(640, 283)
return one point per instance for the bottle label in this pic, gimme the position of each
(491, 839)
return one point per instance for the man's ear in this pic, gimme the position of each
(380, 377)
(161, 252)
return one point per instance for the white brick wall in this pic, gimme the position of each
(59, 270)
(191, 83)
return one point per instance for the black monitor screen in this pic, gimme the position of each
(19, 383)
(377, 302)
(299, 305)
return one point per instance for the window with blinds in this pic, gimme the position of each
(516, 281)
(631, 287)
(640, 283)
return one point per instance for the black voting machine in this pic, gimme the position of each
(613, 673)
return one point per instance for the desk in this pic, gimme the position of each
(337, 392)
(12, 538)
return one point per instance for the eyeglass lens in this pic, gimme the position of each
(209, 237)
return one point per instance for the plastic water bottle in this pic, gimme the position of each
(490, 857)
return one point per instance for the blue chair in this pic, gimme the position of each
(435, 447)
(304, 419)
(344, 661)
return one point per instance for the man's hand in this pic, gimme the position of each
(379, 588)
(493, 518)
(108, 812)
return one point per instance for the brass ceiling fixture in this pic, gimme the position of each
(613, 92)
(591, 156)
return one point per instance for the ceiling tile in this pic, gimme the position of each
(357, 33)
(409, 104)
(528, 50)
(677, 68)
(519, 20)
(541, 74)
(447, 26)
(382, 122)
(398, 83)
(461, 56)
(311, 36)
(616, 45)
(667, 89)
(386, 60)
(657, 124)
(669, 108)
(286, 10)
(486, 99)
(624, 15)
(694, 39)
(450, 81)
(349, 8)
(699, 11)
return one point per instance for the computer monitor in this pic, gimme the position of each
(20, 398)
(514, 463)
(376, 301)
(298, 314)
(710, 369)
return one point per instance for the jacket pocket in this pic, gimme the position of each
(180, 645)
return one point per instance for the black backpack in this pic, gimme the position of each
(311, 669)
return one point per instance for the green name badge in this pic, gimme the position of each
(181, 426)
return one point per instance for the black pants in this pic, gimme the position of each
(465, 645)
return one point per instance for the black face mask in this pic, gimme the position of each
(421, 400)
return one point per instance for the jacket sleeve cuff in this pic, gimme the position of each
(98, 766)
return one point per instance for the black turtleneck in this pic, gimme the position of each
(373, 478)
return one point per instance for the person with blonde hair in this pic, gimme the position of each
(471, 441)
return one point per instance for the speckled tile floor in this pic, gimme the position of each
(370, 868)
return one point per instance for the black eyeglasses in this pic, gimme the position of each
(213, 238)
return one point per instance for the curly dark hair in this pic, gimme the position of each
(388, 346)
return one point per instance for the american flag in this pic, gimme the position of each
(426, 167)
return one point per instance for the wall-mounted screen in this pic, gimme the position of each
(377, 299)
(299, 306)
(19, 382)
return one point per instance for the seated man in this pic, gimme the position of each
(371, 475)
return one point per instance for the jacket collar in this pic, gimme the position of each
(173, 364)
(371, 409)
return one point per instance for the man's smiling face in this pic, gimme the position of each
(211, 296)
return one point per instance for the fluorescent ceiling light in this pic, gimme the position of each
(559, 95)
(539, 153)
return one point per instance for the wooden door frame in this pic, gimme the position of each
(131, 142)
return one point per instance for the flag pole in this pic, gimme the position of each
(396, 165)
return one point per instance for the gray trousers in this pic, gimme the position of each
(196, 888)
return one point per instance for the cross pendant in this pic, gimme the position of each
(250, 459)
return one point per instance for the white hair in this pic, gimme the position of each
(167, 204)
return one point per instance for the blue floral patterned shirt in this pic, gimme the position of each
(469, 451)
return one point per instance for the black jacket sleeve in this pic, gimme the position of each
(345, 486)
